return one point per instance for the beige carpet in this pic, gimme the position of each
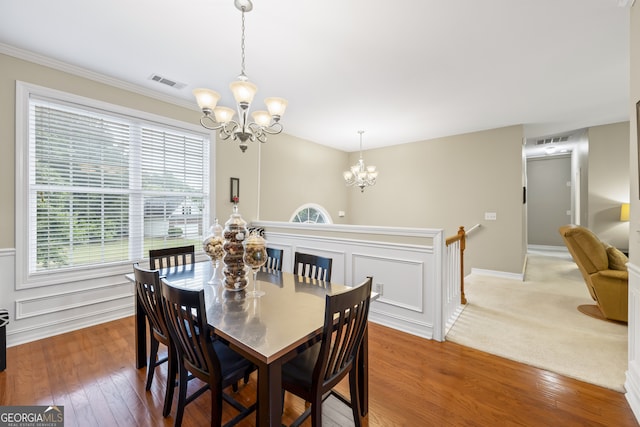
(537, 322)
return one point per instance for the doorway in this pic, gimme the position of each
(548, 198)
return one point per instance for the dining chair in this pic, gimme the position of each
(171, 257)
(149, 294)
(274, 259)
(202, 354)
(313, 266)
(314, 372)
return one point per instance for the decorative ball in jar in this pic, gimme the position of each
(235, 231)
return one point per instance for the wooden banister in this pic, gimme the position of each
(460, 237)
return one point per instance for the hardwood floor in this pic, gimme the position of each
(413, 382)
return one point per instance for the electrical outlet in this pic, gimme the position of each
(490, 216)
(379, 288)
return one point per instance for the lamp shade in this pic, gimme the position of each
(261, 117)
(624, 212)
(223, 114)
(206, 98)
(276, 106)
(243, 91)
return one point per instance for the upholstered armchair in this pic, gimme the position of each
(604, 270)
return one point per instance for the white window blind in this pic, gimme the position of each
(105, 187)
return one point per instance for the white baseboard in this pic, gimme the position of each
(501, 274)
(40, 331)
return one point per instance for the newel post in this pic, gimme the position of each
(462, 234)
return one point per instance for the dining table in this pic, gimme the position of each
(268, 330)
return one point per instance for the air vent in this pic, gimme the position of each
(552, 140)
(168, 82)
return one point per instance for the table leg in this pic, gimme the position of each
(269, 411)
(141, 336)
(363, 373)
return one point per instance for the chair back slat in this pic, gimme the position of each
(172, 257)
(187, 321)
(344, 327)
(313, 266)
(149, 293)
(274, 259)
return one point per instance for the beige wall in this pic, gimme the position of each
(295, 172)
(608, 180)
(449, 182)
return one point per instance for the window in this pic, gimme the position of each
(103, 185)
(311, 214)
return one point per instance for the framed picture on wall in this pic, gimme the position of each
(234, 190)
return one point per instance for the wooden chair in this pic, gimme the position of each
(171, 257)
(313, 373)
(313, 266)
(149, 294)
(202, 354)
(274, 259)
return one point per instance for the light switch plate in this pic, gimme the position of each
(490, 216)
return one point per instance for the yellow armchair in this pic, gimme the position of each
(603, 268)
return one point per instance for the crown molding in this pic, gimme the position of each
(92, 75)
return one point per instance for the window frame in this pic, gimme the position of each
(323, 212)
(25, 279)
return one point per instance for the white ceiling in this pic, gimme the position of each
(402, 70)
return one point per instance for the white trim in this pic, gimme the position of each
(347, 228)
(74, 299)
(501, 274)
(315, 206)
(17, 336)
(343, 240)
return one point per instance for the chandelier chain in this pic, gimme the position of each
(242, 44)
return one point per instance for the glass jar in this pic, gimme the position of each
(255, 248)
(213, 247)
(235, 231)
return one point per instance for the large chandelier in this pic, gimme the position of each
(359, 174)
(221, 118)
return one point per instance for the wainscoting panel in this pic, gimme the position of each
(391, 275)
(52, 309)
(632, 383)
(55, 303)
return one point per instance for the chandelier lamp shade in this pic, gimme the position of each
(221, 118)
(360, 175)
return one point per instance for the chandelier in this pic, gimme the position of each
(359, 174)
(221, 118)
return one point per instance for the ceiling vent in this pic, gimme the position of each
(165, 81)
(552, 140)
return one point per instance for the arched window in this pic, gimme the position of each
(311, 213)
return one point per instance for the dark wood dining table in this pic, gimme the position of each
(268, 331)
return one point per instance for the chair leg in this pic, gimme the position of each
(316, 411)
(153, 356)
(182, 394)
(355, 397)
(216, 406)
(172, 367)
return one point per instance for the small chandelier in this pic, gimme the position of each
(221, 118)
(359, 174)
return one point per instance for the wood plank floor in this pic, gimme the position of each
(413, 382)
